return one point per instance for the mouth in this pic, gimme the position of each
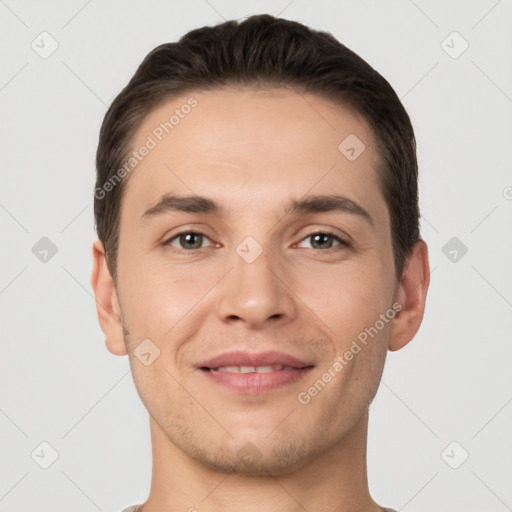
(252, 369)
(255, 373)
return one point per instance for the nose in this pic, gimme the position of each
(256, 293)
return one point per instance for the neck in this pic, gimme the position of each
(336, 481)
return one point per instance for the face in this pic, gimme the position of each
(248, 306)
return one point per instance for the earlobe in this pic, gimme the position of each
(411, 295)
(107, 305)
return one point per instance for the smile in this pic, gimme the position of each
(254, 380)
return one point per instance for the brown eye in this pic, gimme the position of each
(188, 240)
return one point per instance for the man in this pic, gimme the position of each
(259, 253)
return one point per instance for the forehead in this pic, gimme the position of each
(254, 144)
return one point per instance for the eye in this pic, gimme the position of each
(189, 240)
(323, 240)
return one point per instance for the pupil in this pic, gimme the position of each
(321, 236)
(188, 239)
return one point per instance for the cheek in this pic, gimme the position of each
(347, 298)
(157, 294)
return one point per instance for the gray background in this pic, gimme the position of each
(59, 383)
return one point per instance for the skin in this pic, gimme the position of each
(252, 151)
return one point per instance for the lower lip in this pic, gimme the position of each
(257, 383)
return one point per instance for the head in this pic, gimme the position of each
(246, 119)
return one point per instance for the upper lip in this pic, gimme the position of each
(241, 358)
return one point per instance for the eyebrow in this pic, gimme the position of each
(305, 205)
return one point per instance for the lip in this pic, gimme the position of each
(242, 358)
(255, 383)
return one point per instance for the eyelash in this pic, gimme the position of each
(342, 243)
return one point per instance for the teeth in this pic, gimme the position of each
(232, 369)
(253, 369)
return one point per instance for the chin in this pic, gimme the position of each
(258, 458)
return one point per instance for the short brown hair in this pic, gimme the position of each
(269, 51)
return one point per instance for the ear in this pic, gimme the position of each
(107, 305)
(411, 295)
